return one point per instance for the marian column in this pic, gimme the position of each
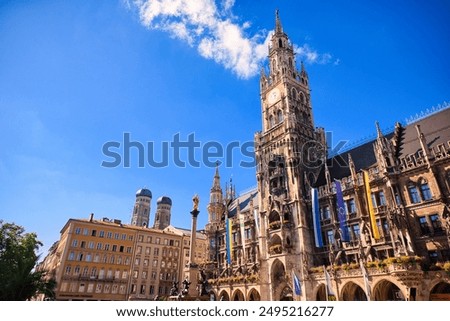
(191, 270)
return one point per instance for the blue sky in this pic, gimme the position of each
(77, 74)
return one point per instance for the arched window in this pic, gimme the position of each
(294, 94)
(290, 62)
(271, 121)
(280, 43)
(279, 116)
(302, 98)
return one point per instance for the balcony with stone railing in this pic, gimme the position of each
(400, 266)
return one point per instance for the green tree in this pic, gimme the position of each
(19, 279)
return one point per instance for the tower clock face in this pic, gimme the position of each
(274, 95)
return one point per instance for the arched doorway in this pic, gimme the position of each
(321, 293)
(254, 295)
(223, 296)
(238, 296)
(387, 291)
(440, 292)
(278, 279)
(353, 292)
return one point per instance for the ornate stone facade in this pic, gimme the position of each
(396, 253)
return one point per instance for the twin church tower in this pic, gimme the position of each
(141, 210)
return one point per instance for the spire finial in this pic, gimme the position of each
(379, 133)
(278, 27)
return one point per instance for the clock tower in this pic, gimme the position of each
(289, 151)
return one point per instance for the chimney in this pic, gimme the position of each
(91, 217)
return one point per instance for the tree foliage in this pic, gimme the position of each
(19, 280)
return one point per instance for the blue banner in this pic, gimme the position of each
(316, 217)
(342, 213)
(296, 284)
(228, 239)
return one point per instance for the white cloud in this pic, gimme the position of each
(212, 30)
(311, 55)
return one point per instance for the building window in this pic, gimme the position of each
(109, 235)
(99, 246)
(91, 245)
(433, 255)
(68, 269)
(381, 198)
(78, 230)
(85, 231)
(356, 232)
(351, 207)
(279, 116)
(90, 288)
(106, 247)
(142, 289)
(424, 228)
(425, 191)
(413, 194)
(76, 271)
(116, 236)
(114, 248)
(115, 287)
(81, 288)
(83, 244)
(436, 224)
(117, 274)
(158, 240)
(94, 233)
(156, 251)
(101, 234)
(88, 257)
(152, 289)
(74, 243)
(330, 237)
(325, 213)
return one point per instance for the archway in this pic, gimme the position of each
(353, 292)
(254, 295)
(387, 291)
(440, 292)
(238, 296)
(321, 294)
(278, 279)
(223, 296)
